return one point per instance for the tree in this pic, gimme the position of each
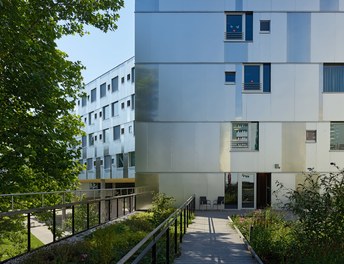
(38, 89)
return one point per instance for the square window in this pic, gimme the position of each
(100, 137)
(230, 77)
(78, 102)
(114, 84)
(337, 136)
(85, 119)
(122, 131)
(122, 105)
(93, 95)
(333, 81)
(311, 136)
(128, 103)
(102, 90)
(109, 87)
(100, 114)
(128, 77)
(265, 26)
(239, 26)
(122, 80)
(95, 138)
(245, 136)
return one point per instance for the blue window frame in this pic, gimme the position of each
(265, 26)
(257, 77)
(239, 26)
(333, 78)
(234, 27)
(230, 77)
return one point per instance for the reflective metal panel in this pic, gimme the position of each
(329, 5)
(293, 147)
(147, 92)
(152, 181)
(299, 37)
(182, 185)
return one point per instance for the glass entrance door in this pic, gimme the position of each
(248, 190)
(240, 190)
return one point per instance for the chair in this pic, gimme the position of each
(220, 201)
(204, 201)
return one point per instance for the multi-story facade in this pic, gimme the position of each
(236, 96)
(108, 111)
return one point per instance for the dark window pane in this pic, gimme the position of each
(132, 74)
(93, 95)
(266, 77)
(252, 77)
(265, 25)
(333, 78)
(114, 84)
(234, 27)
(116, 132)
(83, 101)
(249, 26)
(102, 90)
(230, 77)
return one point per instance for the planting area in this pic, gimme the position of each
(317, 233)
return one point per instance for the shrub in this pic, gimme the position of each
(162, 207)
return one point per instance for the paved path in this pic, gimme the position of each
(209, 239)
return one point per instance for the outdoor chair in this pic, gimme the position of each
(220, 201)
(204, 201)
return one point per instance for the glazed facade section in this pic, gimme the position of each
(108, 112)
(233, 96)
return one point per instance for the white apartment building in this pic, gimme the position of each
(108, 111)
(236, 95)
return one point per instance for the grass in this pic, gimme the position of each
(35, 242)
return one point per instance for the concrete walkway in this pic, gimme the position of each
(210, 239)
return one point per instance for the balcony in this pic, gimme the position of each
(234, 35)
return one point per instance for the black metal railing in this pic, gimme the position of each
(233, 35)
(67, 220)
(169, 228)
(252, 86)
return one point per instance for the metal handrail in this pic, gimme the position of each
(128, 202)
(188, 206)
(95, 193)
(252, 86)
(233, 35)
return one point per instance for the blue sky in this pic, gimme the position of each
(99, 51)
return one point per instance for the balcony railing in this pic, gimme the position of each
(233, 35)
(252, 86)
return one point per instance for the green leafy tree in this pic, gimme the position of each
(38, 89)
